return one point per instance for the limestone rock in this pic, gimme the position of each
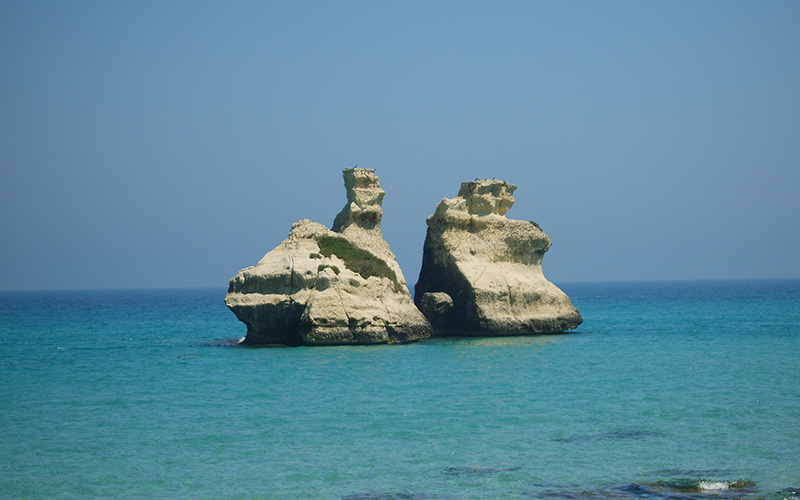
(482, 273)
(324, 287)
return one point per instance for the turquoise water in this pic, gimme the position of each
(130, 394)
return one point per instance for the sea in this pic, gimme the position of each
(677, 390)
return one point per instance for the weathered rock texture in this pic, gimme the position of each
(482, 273)
(323, 287)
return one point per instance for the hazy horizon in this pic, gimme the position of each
(170, 145)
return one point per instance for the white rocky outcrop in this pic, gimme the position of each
(482, 273)
(324, 287)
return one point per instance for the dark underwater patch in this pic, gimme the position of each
(609, 436)
(476, 471)
(395, 496)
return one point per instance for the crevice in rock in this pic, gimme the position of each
(346, 315)
(510, 298)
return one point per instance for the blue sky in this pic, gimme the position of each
(150, 144)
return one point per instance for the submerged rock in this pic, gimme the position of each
(678, 489)
(324, 287)
(789, 494)
(701, 488)
(482, 273)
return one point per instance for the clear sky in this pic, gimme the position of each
(170, 144)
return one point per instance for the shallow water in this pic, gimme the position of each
(128, 394)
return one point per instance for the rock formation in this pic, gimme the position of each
(321, 286)
(482, 273)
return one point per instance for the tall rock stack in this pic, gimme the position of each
(326, 287)
(360, 219)
(482, 273)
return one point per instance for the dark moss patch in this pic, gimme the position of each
(323, 266)
(314, 256)
(357, 260)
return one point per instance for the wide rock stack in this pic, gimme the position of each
(482, 273)
(326, 287)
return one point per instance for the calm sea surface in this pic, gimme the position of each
(680, 390)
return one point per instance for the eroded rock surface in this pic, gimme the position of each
(482, 272)
(325, 287)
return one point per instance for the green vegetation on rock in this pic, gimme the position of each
(357, 260)
(323, 266)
